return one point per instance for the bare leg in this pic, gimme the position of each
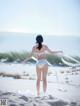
(38, 70)
(44, 75)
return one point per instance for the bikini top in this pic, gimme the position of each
(40, 53)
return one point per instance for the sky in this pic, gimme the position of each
(49, 17)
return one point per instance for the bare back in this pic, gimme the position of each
(40, 54)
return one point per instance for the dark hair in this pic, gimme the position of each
(39, 40)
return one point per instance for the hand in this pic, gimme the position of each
(23, 62)
(60, 53)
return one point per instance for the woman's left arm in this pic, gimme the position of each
(53, 52)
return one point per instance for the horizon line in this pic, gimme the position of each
(39, 33)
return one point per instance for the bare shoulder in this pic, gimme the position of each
(45, 47)
(33, 48)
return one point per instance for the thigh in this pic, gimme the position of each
(38, 71)
(44, 72)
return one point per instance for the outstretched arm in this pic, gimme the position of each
(29, 57)
(53, 52)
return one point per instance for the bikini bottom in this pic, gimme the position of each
(41, 63)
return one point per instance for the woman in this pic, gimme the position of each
(41, 65)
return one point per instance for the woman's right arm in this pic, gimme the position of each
(29, 57)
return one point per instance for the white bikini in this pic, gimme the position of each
(41, 62)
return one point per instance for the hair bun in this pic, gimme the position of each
(39, 39)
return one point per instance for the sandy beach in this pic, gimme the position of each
(21, 100)
(18, 86)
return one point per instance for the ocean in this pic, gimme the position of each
(19, 42)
